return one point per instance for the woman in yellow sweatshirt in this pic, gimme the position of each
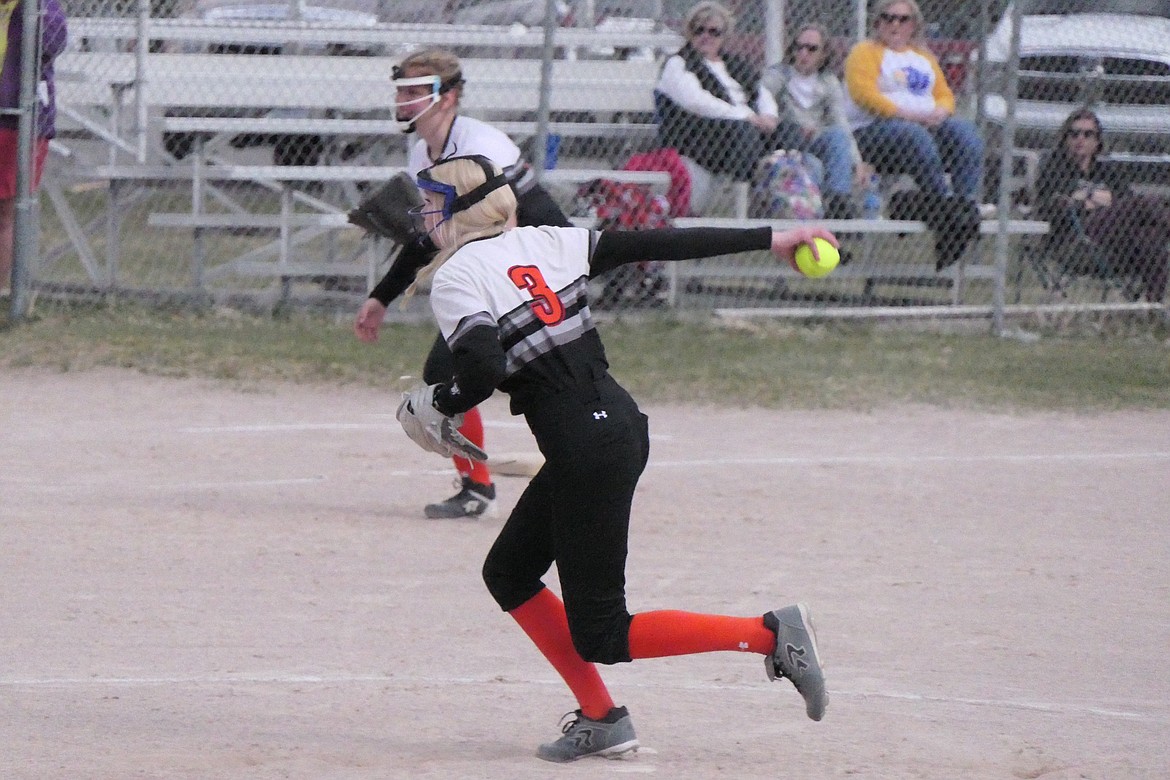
(902, 110)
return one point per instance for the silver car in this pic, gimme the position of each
(576, 13)
(1111, 55)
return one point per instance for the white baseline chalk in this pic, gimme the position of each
(336, 426)
(834, 460)
(796, 460)
(404, 681)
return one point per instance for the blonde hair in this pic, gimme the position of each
(701, 12)
(436, 62)
(917, 39)
(488, 217)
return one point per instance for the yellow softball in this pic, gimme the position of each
(811, 266)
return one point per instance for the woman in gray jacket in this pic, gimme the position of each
(812, 117)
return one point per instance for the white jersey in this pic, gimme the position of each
(536, 307)
(467, 136)
(906, 78)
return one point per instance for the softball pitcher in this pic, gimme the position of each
(511, 304)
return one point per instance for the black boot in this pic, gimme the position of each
(956, 229)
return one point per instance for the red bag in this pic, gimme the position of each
(624, 206)
(668, 160)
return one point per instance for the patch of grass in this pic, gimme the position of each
(861, 367)
(866, 367)
(221, 344)
(660, 360)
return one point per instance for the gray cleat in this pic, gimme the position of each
(610, 737)
(796, 656)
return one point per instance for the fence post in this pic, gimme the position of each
(775, 32)
(1006, 159)
(24, 236)
(140, 54)
(547, 54)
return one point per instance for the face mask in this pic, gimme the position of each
(431, 99)
(453, 202)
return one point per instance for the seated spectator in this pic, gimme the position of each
(902, 109)
(712, 107)
(812, 118)
(1095, 217)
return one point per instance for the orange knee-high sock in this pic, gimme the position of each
(472, 428)
(670, 632)
(543, 618)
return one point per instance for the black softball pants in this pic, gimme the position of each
(576, 513)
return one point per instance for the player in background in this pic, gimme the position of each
(512, 304)
(429, 85)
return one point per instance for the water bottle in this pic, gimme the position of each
(871, 202)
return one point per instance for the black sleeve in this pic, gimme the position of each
(617, 247)
(479, 369)
(402, 271)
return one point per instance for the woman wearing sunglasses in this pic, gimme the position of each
(1096, 223)
(902, 111)
(712, 106)
(812, 117)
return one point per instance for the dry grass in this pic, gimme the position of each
(1109, 366)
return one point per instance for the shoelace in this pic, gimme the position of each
(462, 493)
(566, 724)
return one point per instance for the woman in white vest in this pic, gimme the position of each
(711, 105)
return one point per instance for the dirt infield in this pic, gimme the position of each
(204, 581)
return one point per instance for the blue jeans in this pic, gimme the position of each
(926, 154)
(832, 166)
(832, 148)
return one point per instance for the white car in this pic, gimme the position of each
(1110, 55)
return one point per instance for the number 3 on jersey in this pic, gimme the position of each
(545, 304)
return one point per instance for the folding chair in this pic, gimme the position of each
(1060, 264)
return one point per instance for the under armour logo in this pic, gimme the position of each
(796, 657)
(600, 415)
(743, 646)
(454, 389)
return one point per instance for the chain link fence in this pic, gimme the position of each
(208, 150)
